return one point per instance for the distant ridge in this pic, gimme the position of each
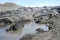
(9, 6)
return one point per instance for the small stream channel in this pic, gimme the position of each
(29, 28)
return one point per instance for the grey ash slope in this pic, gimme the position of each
(14, 12)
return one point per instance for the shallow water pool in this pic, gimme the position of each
(29, 28)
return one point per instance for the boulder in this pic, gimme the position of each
(5, 21)
(15, 27)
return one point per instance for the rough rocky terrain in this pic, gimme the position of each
(12, 13)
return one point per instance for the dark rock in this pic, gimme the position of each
(37, 21)
(50, 28)
(15, 27)
(41, 30)
(12, 28)
(5, 21)
(50, 16)
(7, 29)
